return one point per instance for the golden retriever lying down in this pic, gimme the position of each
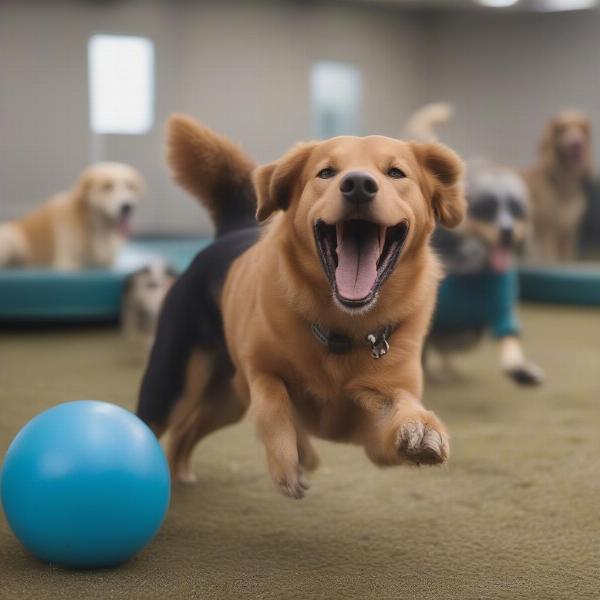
(314, 325)
(83, 227)
(556, 185)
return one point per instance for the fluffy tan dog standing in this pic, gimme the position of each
(83, 227)
(287, 323)
(556, 186)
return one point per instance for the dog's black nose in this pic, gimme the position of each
(506, 236)
(358, 187)
(126, 209)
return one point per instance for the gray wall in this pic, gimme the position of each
(507, 74)
(243, 67)
(45, 139)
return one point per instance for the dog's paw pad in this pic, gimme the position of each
(422, 444)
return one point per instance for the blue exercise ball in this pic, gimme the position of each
(85, 484)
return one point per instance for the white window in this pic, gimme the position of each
(121, 84)
(336, 98)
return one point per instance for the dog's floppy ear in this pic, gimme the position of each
(274, 183)
(444, 170)
(82, 186)
(140, 183)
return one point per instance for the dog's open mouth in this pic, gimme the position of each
(501, 258)
(358, 256)
(123, 225)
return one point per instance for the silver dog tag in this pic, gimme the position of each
(379, 345)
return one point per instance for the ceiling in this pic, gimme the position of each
(519, 6)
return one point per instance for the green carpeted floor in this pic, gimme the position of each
(516, 514)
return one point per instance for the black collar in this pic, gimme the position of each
(338, 343)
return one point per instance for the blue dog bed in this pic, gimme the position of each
(45, 295)
(577, 284)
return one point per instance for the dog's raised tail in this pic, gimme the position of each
(214, 170)
(421, 125)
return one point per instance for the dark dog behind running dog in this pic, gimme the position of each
(480, 290)
(315, 324)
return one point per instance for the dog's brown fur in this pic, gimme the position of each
(77, 228)
(290, 384)
(556, 185)
(222, 162)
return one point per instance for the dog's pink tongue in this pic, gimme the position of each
(357, 252)
(500, 259)
(124, 227)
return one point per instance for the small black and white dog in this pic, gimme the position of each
(480, 290)
(143, 296)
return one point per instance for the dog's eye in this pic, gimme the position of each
(130, 186)
(484, 208)
(516, 208)
(107, 186)
(326, 173)
(396, 173)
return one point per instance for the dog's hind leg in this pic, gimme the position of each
(208, 403)
(515, 365)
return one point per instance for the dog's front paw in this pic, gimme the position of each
(526, 374)
(289, 478)
(423, 441)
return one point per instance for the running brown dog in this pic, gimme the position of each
(313, 324)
